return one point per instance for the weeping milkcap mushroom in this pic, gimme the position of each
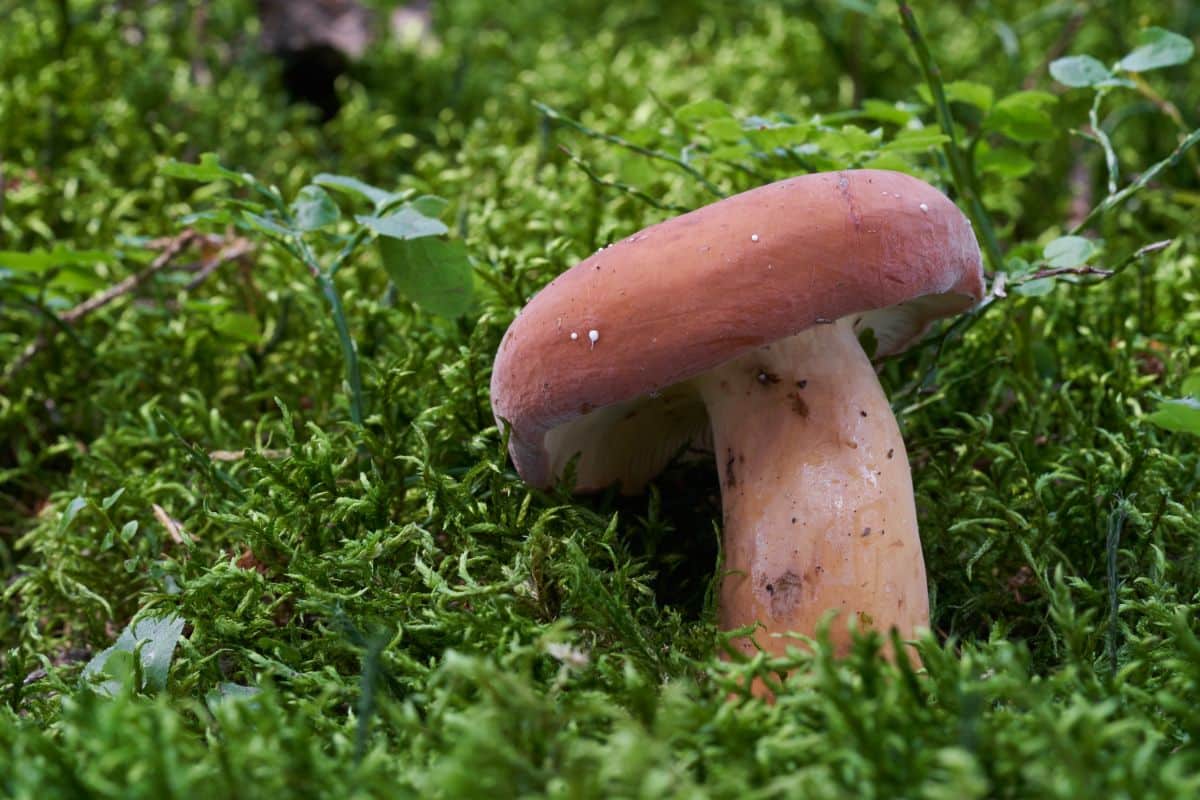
(737, 327)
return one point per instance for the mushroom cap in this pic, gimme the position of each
(597, 362)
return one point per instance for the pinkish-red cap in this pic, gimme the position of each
(624, 329)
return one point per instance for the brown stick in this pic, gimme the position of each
(170, 249)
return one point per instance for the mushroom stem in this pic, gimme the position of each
(816, 492)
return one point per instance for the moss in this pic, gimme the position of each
(415, 620)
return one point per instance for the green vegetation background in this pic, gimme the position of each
(385, 609)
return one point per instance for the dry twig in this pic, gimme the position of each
(174, 529)
(169, 250)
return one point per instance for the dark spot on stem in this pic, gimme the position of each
(785, 594)
(799, 406)
(891, 452)
(866, 531)
(765, 378)
(730, 480)
(862, 413)
(802, 383)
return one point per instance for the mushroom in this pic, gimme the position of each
(737, 327)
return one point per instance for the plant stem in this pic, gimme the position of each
(958, 170)
(1114, 200)
(324, 278)
(1116, 523)
(349, 351)
(1110, 155)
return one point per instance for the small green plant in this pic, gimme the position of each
(1180, 414)
(1157, 49)
(140, 658)
(432, 271)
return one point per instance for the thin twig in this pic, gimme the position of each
(557, 115)
(235, 251)
(238, 455)
(632, 191)
(999, 292)
(1114, 200)
(174, 529)
(1110, 154)
(1056, 271)
(164, 258)
(169, 251)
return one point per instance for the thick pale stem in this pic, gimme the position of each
(816, 491)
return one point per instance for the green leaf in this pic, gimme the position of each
(378, 197)
(770, 136)
(1079, 71)
(724, 130)
(229, 693)
(885, 112)
(1069, 251)
(406, 223)
(207, 170)
(313, 209)
(1017, 267)
(1157, 48)
(73, 508)
(157, 637)
(266, 225)
(76, 278)
(1035, 288)
(38, 261)
(129, 530)
(703, 110)
(431, 205)
(118, 667)
(974, 94)
(217, 216)
(238, 325)
(889, 161)
(1023, 116)
(732, 152)
(433, 273)
(1191, 385)
(111, 500)
(1003, 161)
(1181, 415)
(849, 140)
(907, 141)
